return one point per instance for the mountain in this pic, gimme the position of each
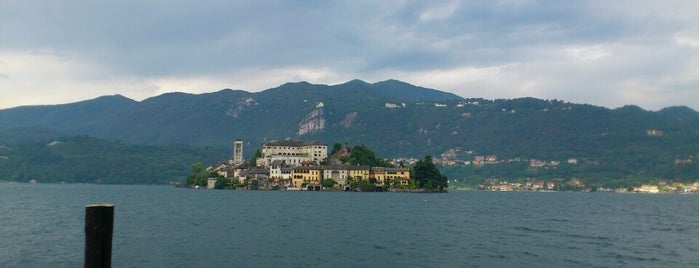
(82, 159)
(347, 111)
(394, 118)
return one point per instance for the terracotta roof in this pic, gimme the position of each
(258, 170)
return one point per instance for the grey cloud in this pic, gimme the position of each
(182, 38)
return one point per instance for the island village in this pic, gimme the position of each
(299, 165)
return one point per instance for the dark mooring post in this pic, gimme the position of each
(99, 225)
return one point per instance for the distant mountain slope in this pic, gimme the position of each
(392, 117)
(84, 159)
(78, 117)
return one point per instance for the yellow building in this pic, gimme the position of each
(394, 175)
(398, 175)
(379, 174)
(306, 175)
(358, 172)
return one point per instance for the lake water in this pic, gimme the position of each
(158, 226)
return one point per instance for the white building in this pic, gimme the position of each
(293, 153)
(338, 173)
(280, 172)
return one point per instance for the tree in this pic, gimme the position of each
(362, 155)
(221, 183)
(197, 175)
(336, 148)
(366, 186)
(352, 182)
(253, 161)
(328, 183)
(427, 176)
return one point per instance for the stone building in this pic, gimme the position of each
(293, 153)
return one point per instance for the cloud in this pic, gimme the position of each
(440, 12)
(44, 77)
(603, 53)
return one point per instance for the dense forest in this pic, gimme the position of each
(88, 160)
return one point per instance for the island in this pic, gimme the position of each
(306, 166)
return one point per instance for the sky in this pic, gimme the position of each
(605, 53)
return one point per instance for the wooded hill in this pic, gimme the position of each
(393, 118)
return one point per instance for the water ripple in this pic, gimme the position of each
(168, 227)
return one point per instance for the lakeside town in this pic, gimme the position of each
(455, 157)
(299, 165)
(575, 183)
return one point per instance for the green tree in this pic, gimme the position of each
(354, 184)
(198, 176)
(427, 175)
(336, 148)
(328, 183)
(366, 186)
(362, 155)
(221, 183)
(253, 161)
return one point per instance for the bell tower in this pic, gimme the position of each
(238, 151)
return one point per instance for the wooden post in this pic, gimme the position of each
(99, 225)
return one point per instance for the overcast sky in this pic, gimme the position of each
(606, 53)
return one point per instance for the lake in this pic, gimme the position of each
(42, 225)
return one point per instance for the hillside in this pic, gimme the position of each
(423, 121)
(218, 118)
(89, 160)
(393, 118)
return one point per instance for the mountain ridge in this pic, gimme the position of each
(400, 118)
(393, 118)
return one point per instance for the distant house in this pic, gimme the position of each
(221, 168)
(576, 182)
(259, 174)
(338, 173)
(378, 174)
(211, 183)
(491, 159)
(395, 175)
(303, 176)
(479, 160)
(536, 163)
(358, 172)
(280, 173)
(647, 188)
(683, 161)
(655, 132)
(239, 172)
